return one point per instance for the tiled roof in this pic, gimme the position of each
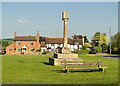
(60, 41)
(25, 38)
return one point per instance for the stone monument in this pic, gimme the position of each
(66, 52)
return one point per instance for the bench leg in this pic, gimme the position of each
(67, 71)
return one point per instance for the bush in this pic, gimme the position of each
(83, 52)
(86, 45)
(39, 50)
(46, 52)
(74, 52)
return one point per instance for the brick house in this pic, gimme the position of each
(24, 44)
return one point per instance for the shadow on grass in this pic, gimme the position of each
(113, 56)
(75, 71)
(46, 63)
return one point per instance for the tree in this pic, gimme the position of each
(85, 39)
(115, 42)
(80, 37)
(96, 39)
(100, 40)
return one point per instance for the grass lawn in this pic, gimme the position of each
(34, 69)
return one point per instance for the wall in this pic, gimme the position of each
(15, 46)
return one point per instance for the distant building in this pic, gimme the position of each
(24, 44)
(29, 44)
(52, 44)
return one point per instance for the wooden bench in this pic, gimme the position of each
(67, 64)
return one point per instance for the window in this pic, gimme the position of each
(52, 44)
(59, 45)
(18, 43)
(31, 43)
(32, 49)
(18, 49)
(76, 43)
(10, 50)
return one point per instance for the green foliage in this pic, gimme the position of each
(5, 42)
(83, 52)
(99, 49)
(115, 42)
(46, 52)
(39, 50)
(86, 45)
(42, 38)
(35, 69)
(74, 52)
(100, 40)
(95, 39)
(80, 37)
(104, 47)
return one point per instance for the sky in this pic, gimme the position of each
(85, 18)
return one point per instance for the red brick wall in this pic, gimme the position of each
(15, 46)
(11, 46)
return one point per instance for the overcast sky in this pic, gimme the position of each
(85, 18)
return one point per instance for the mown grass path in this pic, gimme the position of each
(34, 69)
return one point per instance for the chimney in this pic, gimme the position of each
(15, 34)
(83, 40)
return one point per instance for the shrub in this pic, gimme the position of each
(46, 52)
(83, 52)
(75, 52)
(86, 45)
(39, 50)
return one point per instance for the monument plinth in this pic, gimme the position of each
(66, 52)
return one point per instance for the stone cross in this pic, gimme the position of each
(65, 19)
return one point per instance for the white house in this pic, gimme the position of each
(54, 44)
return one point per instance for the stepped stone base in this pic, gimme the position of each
(56, 60)
(66, 50)
(71, 55)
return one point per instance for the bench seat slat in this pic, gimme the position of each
(78, 68)
(81, 61)
(80, 64)
(83, 68)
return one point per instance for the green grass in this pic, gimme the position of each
(34, 69)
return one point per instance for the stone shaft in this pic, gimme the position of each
(65, 33)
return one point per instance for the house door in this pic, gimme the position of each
(24, 49)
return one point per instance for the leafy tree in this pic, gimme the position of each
(80, 37)
(85, 39)
(96, 39)
(100, 40)
(115, 42)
